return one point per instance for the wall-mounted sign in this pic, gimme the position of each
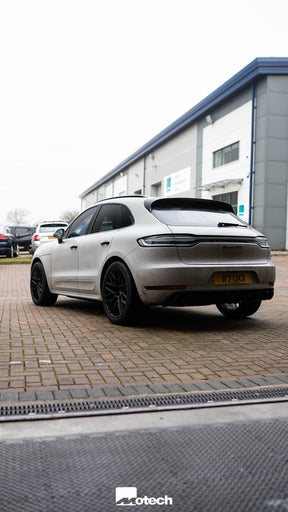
(241, 210)
(177, 182)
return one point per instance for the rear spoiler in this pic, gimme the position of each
(185, 203)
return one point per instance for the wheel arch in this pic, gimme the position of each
(35, 260)
(45, 264)
(112, 260)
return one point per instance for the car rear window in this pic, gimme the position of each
(51, 227)
(195, 217)
(194, 213)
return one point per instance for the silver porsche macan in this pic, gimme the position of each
(132, 252)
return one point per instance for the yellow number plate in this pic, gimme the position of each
(51, 237)
(226, 278)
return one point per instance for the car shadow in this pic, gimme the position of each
(197, 319)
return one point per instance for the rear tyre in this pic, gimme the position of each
(120, 298)
(239, 309)
(40, 292)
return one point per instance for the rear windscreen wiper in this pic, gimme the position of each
(228, 224)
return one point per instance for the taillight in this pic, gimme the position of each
(262, 242)
(36, 238)
(3, 237)
(167, 241)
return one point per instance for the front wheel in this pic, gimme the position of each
(119, 294)
(40, 292)
(239, 309)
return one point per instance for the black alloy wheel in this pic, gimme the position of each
(119, 294)
(239, 309)
(40, 292)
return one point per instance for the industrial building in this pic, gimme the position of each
(232, 146)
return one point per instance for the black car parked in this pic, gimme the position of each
(8, 243)
(23, 236)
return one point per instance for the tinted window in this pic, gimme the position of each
(19, 231)
(126, 217)
(108, 218)
(193, 217)
(80, 225)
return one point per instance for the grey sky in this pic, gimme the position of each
(84, 83)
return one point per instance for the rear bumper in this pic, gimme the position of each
(199, 284)
(5, 250)
(199, 298)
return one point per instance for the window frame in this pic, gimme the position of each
(95, 226)
(220, 155)
(70, 229)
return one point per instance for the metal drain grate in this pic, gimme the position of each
(45, 410)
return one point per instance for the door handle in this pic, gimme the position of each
(105, 243)
(74, 247)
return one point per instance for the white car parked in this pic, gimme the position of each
(130, 251)
(45, 232)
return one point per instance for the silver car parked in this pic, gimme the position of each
(135, 251)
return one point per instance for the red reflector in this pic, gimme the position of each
(174, 287)
(3, 237)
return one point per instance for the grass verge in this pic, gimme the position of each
(21, 260)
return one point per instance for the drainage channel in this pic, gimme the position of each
(56, 409)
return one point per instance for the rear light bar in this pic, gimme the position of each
(262, 242)
(184, 240)
(3, 237)
(168, 241)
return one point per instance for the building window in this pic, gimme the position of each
(226, 155)
(230, 197)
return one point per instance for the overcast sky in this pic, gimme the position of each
(85, 83)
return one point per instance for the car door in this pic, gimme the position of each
(65, 255)
(94, 249)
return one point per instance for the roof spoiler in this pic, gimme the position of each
(186, 203)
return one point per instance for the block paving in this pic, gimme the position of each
(71, 350)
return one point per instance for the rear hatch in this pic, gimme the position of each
(224, 246)
(208, 232)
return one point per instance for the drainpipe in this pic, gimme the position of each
(144, 177)
(252, 153)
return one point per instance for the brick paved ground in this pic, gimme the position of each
(72, 350)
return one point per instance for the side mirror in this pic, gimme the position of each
(59, 235)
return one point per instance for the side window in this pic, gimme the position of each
(80, 225)
(126, 217)
(107, 219)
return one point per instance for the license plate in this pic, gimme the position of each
(228, 278)
(51, 237)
